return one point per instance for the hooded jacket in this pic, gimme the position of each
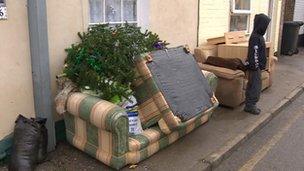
(257, 48)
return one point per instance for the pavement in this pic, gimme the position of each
(190, 152)
(278, 146)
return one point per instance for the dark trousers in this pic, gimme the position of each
(254, 87)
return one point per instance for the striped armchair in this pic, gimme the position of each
(100, 129)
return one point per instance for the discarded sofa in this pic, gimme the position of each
(232, 83)
(100, 128)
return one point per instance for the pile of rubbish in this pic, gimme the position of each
(30, 143)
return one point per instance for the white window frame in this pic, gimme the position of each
(143, 12)
(121, 13)
(235, 11)
(240, 12)
(248, 21)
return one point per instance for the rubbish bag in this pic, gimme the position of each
(43, 140)
(29, 143)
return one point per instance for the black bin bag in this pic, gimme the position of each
(29, 144)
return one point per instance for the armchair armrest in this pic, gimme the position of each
(202, 52)
(100, 113)
(104, 115)
(222, 72)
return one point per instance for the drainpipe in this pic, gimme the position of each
(270, 14)
(38, 33)
(198, 23)
(281, 27)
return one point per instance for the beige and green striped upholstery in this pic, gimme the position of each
(167, 130)
(109, 119)
(145, 145)
(146, 93)
(152, 104)
(212, 79)
(100, 129)
(153, 107)
(98, 143)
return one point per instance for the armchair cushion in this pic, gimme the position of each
(146, 138)
(155, 134)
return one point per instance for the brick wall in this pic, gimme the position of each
(289, 10)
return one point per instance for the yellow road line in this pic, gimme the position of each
(250, 164)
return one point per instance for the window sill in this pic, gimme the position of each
(241, 12)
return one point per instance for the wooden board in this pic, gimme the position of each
(216, 40)
(235, 37)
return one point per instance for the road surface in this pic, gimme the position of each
(278, 146)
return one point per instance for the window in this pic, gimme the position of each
(113, 11)
(239, 22)
(2, 3)
(240, 15)
(241, 6)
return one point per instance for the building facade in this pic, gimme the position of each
(179, 22)
(219, 16)
(174, 21)
(299, 16)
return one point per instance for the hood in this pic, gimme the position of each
(261, 22)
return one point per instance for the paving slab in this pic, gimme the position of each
(226, 126)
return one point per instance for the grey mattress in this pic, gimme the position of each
(181, 81)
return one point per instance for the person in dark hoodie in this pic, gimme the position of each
(256, 61)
